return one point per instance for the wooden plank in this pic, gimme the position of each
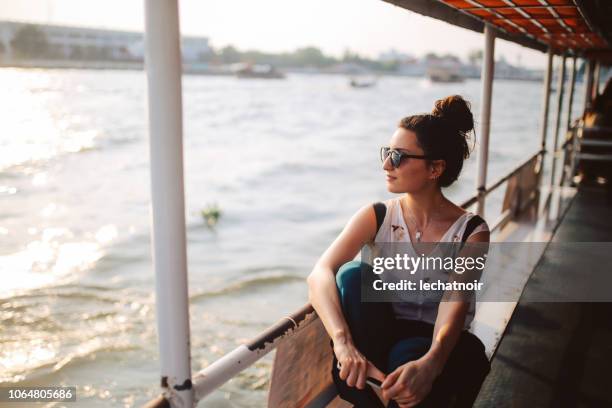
(339, 403)
(302, 368)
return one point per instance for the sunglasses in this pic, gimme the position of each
(397, 156)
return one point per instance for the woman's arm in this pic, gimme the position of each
(410, 383)
(450, 321)
(323, 294)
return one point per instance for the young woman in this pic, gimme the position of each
(422, 355)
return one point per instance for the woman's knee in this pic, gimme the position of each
(473, 354)
(407, 350)
(348, 277)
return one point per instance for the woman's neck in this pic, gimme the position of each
(425, 206)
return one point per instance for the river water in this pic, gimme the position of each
(287, 162)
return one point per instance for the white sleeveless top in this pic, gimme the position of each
(394, 229)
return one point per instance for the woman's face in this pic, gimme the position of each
(412, 174)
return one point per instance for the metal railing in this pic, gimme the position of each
(579, 137)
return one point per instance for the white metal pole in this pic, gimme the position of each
(566, 165)
(595, 90)
(488, 67)
(163, 64)
(546, 101)
(571, 93)
(588, 85)
(560, 88)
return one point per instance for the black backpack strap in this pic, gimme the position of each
(380, 209)
(474, 222)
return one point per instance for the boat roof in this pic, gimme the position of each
(578, 27)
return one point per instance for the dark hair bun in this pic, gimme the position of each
(456, 111)
(444, 134)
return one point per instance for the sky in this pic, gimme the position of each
(367, 27)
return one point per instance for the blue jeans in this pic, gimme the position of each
(389, 342)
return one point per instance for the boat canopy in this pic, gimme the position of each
(579, 27)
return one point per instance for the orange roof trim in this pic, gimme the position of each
(558, 23)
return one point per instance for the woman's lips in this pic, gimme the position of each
(390, 178)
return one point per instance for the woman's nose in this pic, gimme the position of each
(387, 164)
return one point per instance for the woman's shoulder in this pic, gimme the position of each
(385, 212)
(455, 212)
(384, 207)
(388, 202)
(473, 224)
(472, 215)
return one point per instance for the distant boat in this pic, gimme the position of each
(265, 71)
(444, 74)
(364, 83)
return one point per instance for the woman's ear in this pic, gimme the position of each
(437, 168)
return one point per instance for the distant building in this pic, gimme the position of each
(350, 68)
(394, 56)
(65, 42)
(412, 67)
(504, 70)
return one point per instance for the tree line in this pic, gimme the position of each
(30, 42)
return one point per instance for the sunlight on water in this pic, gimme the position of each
(39, 179)
(45, 261)
(24, 357)
(7, 190)
(34, 127)
(106, 234)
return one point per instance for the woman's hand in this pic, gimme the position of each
(410, 383)
(354, 367)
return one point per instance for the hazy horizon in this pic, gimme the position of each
(283, 26)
